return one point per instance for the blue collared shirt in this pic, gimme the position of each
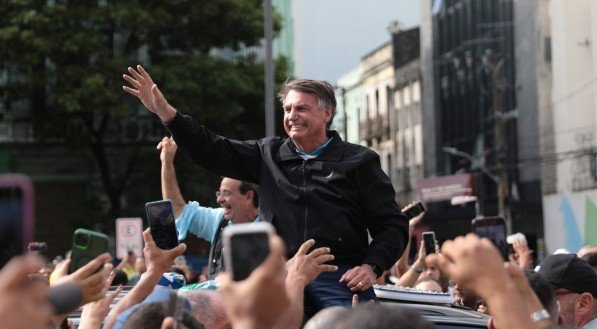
(201, 221)
(316, 152)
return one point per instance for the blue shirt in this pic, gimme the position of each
(201, 221)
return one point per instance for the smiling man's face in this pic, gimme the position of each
(304, 122)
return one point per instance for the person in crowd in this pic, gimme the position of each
(311, 170)
(377, 316)
(140, 268)
(522, 256)
(586, 250)
(428, 283)
(157, 261)
(326, 318)
(239, 202)
(464, 297)
(477, 264)
(128, 265)
(155, 308)
(401, 265)
(575, 284)
(420, 270)
(545, 293)
(208, 308)
(120, 278)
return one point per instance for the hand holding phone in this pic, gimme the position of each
(414, 210)
(493, 228)
(246, 246)
(86, 246)
(429, 241)
(161, 224)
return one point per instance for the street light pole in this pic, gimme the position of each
(499, 180)
(268, 28)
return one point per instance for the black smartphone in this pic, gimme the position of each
(493, 228)
(414, 210)
(16, 215)
(246, 246)
(161, 223)
(429, 242)
(86, 246)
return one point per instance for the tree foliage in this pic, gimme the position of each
(66, 59)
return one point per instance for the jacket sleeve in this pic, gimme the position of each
(226, 157)
(386, 223)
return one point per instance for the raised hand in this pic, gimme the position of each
(94, 313)
(156, 259)
(306, 267)
(149, 93)
(168, 149)
(248, 303)
(89, 278)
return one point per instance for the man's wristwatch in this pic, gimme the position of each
(540, 315)
(376, 269)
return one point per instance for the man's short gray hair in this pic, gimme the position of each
(326, 99)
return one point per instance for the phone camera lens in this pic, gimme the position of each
(82, 240)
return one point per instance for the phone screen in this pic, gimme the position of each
(493, 228)
(248, 250)
(161, 223)
(11, 223)
(414, 211)
(429, 241)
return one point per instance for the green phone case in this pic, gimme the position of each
(86, 246)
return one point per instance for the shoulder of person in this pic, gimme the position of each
(358, 151)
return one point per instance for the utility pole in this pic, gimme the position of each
(268, 28)
(495, 64)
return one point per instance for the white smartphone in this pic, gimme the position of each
(245, 246)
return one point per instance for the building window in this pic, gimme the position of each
(416, 92)
(407, 96)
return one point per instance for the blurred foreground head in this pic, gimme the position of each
(377, 316)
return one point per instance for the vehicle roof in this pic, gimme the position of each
(437, 308)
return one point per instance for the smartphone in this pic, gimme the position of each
(161, 223)
(245, 246)
(414, 210)
(429, 241)
(16, 215)
(493, 228)
(86, 246)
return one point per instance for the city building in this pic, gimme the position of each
(377, 81)
(569, 128)
(470, 53)
(350, 103)
(405, 125)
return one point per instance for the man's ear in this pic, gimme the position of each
(585, 304)
(250, 195)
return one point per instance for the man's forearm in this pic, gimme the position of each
(293, 316)
(170, 189)
(139, 292)
(410, 277)
(508, 307)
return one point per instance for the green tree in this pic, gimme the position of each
(67, 58)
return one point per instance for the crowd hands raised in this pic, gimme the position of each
(35, 295)
(272, 296)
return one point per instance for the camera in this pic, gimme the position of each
(82, 239)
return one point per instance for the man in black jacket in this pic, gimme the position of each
(313, 185)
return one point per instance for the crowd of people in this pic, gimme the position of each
(339, 232)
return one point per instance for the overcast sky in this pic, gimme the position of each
(331, 36)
